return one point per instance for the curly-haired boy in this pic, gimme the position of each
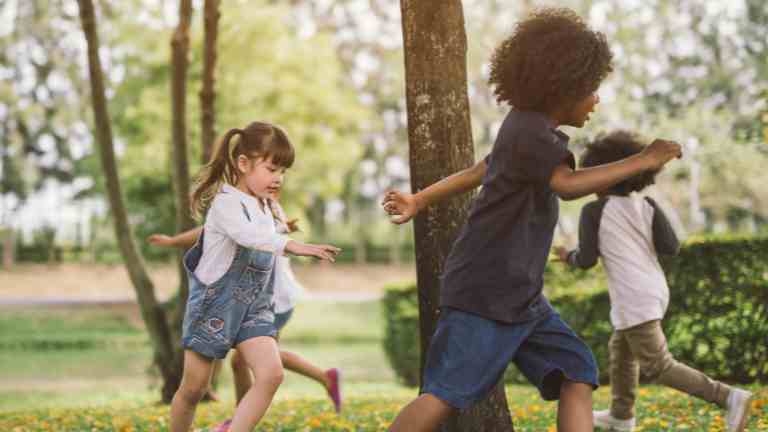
(492, 308)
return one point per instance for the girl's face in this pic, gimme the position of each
(259, 176)
(579, 115)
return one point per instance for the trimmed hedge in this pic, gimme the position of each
(717, 319)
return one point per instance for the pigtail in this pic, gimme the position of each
(220, 169)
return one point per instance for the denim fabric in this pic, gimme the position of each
(468, 355)
(237, 307)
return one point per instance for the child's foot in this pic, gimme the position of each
(738, 410)
(334, 387)
(604, 420)
(223, 427)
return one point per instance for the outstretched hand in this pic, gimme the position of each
(661, 151)
(403, 206)
(160, 240)
(323, 252)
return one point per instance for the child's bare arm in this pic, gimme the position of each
(184, 240)
(405, 206)
(572, 184)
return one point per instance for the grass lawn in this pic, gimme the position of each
(371, 407)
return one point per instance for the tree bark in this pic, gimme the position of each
(184, 222)
(440, 143)
(208, 92)
(165, 356)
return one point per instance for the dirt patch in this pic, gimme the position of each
(102, 283)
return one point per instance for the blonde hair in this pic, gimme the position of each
(258, 139)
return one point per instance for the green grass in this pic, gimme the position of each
(372, 409)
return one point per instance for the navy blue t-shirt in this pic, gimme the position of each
(496, 266)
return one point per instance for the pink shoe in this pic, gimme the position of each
(334, 389)
(223, 427)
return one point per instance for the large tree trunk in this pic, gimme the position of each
(165, 356)
(184, 222)
(208, 92)
(440, 138)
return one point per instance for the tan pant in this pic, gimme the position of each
(644, 348)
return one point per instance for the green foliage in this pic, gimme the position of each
(717, 319)
(401, 335)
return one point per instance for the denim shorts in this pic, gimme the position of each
(468, 355)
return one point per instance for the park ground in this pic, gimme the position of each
(74, 357)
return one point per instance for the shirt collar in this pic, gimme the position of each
(249, 199)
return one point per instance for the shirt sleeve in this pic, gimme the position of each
(585, 256)
(231, 217)
(664, 238)
(535, 155)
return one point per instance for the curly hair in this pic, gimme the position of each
(551, 59)
(613, 147)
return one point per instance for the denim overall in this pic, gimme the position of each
(237, 307)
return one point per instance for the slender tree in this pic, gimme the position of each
(208, 92)
(179, 66)
(165, 355)
(440, 143)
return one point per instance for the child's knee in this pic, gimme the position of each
(191, 393)
(654, 367)
(270, 377)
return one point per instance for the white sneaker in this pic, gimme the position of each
(604, 420)
(738, 406)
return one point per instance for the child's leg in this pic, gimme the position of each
(649, 346)
(262, 356)
(563, 367)
(211, 395)
(424, 414)
(294, 362)
(194, 384)
(241, 376)
(574, 409)
(624, 378)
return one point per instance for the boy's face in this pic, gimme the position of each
(579, 114)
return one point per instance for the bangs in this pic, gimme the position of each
(281, 152)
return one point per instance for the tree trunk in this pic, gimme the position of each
(440, 138)
(184, 222)
(208, 92)
(165, 356)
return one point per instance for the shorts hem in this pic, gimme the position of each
(547, 396)
(448, 396)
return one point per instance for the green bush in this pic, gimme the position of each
(717, 319)
(401, 332)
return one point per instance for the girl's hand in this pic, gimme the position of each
(293, 225)
(562, 254)
(161, 240)
(403, 205)
(660, 152)
(323, 252)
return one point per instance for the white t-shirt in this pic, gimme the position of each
(636, 281)
(238, 218)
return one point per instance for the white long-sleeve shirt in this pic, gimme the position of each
(235, 218)
(628, 233)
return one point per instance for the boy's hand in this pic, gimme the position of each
(403, 205)
(160, 240)
(323, 252)
(562, 254)
(293, 225)
(660, 152)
